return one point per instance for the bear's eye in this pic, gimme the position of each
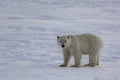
(65, 41)
(60, 41)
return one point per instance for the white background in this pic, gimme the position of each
(28, 30)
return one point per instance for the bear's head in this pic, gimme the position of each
(64, 41)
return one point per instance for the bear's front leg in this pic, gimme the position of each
(77, 59)
(66, 56)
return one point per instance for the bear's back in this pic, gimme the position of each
(91, 40)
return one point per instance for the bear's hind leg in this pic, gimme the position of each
(98, 60)
(92, 60)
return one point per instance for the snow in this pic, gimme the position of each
(28, 30)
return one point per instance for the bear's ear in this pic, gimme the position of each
(57, 37)
(69, 36)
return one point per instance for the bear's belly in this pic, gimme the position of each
(85, 53)
(84, 50)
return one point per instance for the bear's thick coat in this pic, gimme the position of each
(76, 45)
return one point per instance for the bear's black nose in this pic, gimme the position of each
(63, 46)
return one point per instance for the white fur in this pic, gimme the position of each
(76, 45)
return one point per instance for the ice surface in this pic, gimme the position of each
(28, 30)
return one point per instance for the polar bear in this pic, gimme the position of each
(76, 45)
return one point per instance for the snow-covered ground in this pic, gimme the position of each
(28, 30)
